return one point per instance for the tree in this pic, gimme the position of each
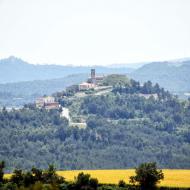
(28, 179)
(84, 181)
(147, 88)
(2, 166)
(122, 183)
(147, 176)
(17, 177)
(93, 183)
(37, 173)
(50, 176)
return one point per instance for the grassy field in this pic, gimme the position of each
(172, 178)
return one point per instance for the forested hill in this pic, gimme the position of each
(127, 125)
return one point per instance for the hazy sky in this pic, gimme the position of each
(86, 32)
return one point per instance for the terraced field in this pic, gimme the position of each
(172, 178)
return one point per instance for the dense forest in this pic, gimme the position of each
(131, 124)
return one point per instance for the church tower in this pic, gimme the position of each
(93, 76)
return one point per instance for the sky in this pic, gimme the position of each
(94, 32)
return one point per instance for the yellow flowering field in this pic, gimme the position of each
(172, 178)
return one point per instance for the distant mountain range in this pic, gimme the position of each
(14, 69)
(173, 75)
(20, 93)
(21, 82)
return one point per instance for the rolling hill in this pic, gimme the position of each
(174, 76)
(124, 127)
(20, 93)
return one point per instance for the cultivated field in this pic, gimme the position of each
(172, 178)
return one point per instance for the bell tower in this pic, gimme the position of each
(93, 76)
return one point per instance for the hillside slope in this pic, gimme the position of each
(20, 93)
(172, 76)
(125, 127)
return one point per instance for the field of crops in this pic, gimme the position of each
(172, 178)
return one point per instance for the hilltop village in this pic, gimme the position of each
(93, 84)
(68, 101)
(49, 102)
